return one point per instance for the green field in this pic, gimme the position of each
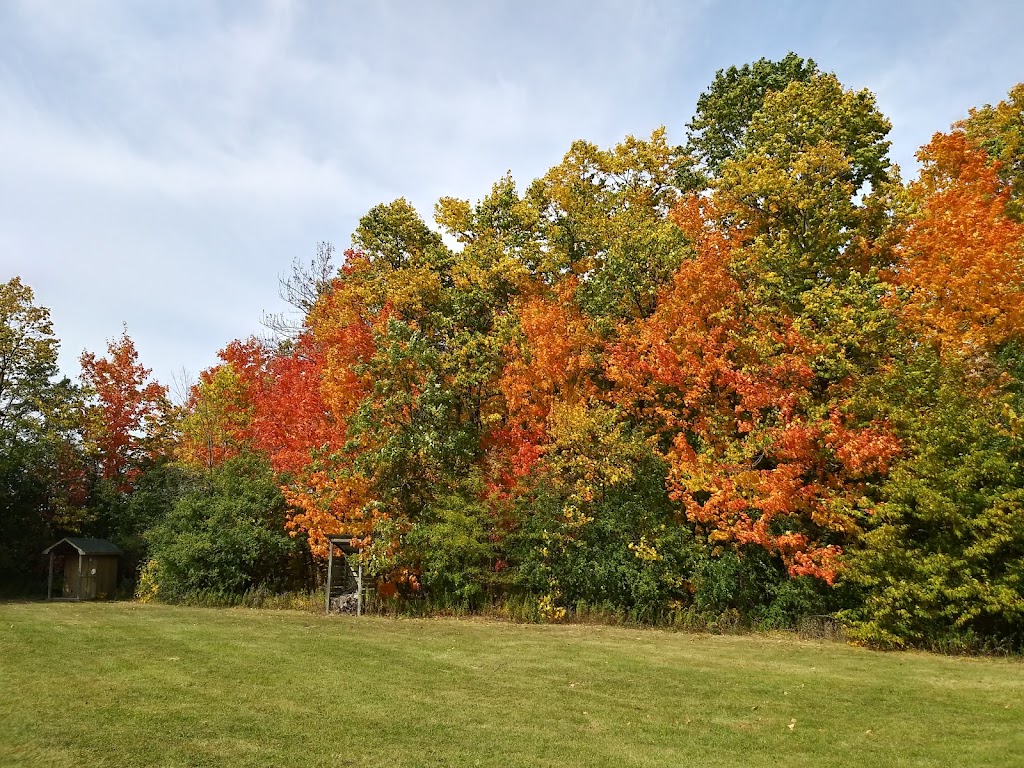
(137, 685)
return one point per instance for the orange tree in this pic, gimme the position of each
(943, 563)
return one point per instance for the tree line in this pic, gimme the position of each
(753, 378)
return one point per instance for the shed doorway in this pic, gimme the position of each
(87, 569)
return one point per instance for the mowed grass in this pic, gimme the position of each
(142, 685)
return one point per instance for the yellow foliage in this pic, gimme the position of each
(644, 550)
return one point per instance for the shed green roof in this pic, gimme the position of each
(87, 546)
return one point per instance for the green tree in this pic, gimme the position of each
(28, 361)
(804, 189)
(943, 564)
(42, 471)
(452, 548)
(603, 217)
(725, 109)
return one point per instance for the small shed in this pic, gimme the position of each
(89, 566)
(346, 580)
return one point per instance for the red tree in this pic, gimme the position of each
(126, 417)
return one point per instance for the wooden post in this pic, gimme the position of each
(330, 574)
(81, 567)
(359, 590)
(49, 581)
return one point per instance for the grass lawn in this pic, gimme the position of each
(125, 684)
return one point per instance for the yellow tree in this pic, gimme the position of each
(999, 130)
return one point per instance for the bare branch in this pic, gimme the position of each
(301, 289)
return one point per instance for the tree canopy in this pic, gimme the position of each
(754, 376)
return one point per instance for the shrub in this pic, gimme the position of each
(225, 535)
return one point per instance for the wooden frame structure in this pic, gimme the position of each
(343, 543)
(92, 575)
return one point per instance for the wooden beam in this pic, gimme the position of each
(81, 567)
(330, 575)
(359, 589)
(49, 580)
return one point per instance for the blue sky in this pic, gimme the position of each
(162, 163)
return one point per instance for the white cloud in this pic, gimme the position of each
(162, 163)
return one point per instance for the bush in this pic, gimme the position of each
(224, 535)
(624, 552)
(752, 588)
(453, 551)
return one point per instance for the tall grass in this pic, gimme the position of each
(525, 608)
(311, 602)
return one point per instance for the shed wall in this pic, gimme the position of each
(99, 576)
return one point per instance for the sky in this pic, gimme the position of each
(163, 163)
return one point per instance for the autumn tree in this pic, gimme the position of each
(126, 417)
(722, 378)
(725, 109)
(747, 368)
(548, 362)
(757, 456)
(352, 415)
(999, 131)
(962, 265)
(215, 419)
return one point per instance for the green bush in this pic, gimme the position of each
(628, 553)
(753, 589)
(453, 551)
(224, 535)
